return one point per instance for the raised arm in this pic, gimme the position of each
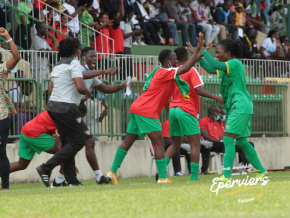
(93, 73)
(206, 66)
(213, 63)
(12, 62)
(200, 91)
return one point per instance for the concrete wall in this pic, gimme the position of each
(273, 152)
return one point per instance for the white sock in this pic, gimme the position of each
(98, 174)
(59, 178)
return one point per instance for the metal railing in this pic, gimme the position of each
(23, 34)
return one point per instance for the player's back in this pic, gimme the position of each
(194, 80)
(42, 123)
(152, 101)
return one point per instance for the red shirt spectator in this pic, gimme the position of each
(210, 126)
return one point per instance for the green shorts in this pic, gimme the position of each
(140, 125)
(182, 123)
(28, 146)
(239, 124)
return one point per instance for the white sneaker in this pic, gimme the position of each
(142, 43)
(178, 174)
(135, 43)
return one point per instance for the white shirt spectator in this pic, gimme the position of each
(73, 24)
(39, 60)
(126, 27)
(270, 47)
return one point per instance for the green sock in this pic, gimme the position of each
(230, 153)
(193, 171)
(119, 157)
(167, 160)
(161, 167)
(251, 154)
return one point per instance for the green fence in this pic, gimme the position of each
(269, 107)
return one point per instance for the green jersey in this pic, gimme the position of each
(233, 89)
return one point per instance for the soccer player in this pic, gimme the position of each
(238, 104)
(183, 113)
(36, 137)
(145, 111)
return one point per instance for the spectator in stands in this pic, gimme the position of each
(24, 112)
(73, 24)
(23, 34)
(3, 15)
(147, 25)
(39, 61)
(215, 4)
(276, 17)
(96, 7)
(209, 128)
(127, 29)
(172, 9)
(115, 31)
(268, 47)
(285, 46)
(176, 157)
(109, 5)
(223, 16)
(102, 42)
(202, 11)
(51, 15)
(250, 50)
(155, 12)
(239, 16)
(61, 26)
(86, 18)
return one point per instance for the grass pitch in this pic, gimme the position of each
(142, 197)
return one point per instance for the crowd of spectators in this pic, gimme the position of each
(154, 22)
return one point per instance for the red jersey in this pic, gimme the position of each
(102, 42)
(194, 80)
(38, 4)
(117, 35)
(57, 35)
(221, 128)
(42, 123)
(165, 129)
(210, 126)
(157, 95)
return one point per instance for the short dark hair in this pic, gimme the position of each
(38, 25)
(83, 2)
(64, 13)
(235, 48)
(82, 108)
(211, 108)
(68, 47)
(112, 14)
(54, 4)
(85, 50)
(248, 30)
(181, 53)
(163, 55)
(282, 38)
(103, 13)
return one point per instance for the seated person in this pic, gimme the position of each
(250, 50)
(24, 113)
(149, 26)
(209, 128)
(176, 158)
(223, 16)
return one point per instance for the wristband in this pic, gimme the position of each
(9, 40)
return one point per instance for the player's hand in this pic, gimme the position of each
(219, 99)
(4, 33)
(208, 46)
(124, 85)
(190, 48)
(112, 70)
(200, 41)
